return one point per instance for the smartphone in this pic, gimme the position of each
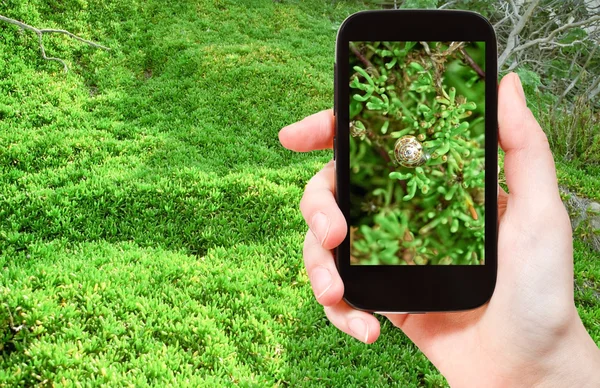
(416, 159)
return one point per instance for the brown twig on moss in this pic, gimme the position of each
(41, 31)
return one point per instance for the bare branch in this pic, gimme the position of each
(40, 33)
(572, 84)
(426, 47)
(89, 42)
(594, 89)
(498, 23)
(472, 63)
(544, 27)
(552, 45)
(512, 66)
(573, 62)
(65, 67)
(555, 32)
(447, 5)
(511, 41)
(515, 7)
(361, 57)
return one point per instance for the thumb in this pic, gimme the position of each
(528, 163)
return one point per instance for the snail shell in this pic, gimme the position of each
(409, 152)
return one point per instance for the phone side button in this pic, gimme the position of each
(334, 147)
(335, 89)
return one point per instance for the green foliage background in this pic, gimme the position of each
(149, 224)
(432, 213)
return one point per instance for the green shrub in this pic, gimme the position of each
(573, 131)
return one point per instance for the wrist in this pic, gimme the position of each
(572, 360)
(575, 361)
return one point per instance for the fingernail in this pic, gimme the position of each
(320, 278)
(519, 87)
(319, 225)
(359, 329)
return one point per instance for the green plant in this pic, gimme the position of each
(573, 135)
(143, 241)
(417, 92)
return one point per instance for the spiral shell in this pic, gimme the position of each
(409, 152)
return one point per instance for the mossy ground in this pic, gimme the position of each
(149, 224)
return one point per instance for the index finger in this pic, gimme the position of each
(314, 132)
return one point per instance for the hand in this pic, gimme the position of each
(529, 333)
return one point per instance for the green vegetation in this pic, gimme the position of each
(149, 224)
(416, 152)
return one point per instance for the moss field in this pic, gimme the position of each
(149, 225)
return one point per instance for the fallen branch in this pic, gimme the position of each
(40, 33)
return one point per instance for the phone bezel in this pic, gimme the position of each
(416, 288)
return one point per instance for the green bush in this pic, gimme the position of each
(574, 135)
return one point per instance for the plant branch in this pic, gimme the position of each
(375, 139)
(548, 38)
(512, 37)
(40, 33)
(556, 44)
(472, 63)
(574, 81)
(448, 4)
(361, 57)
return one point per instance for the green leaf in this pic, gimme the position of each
(384, 127)
(360, 71)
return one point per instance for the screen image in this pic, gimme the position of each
(417, 142)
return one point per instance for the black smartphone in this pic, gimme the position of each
(416, 159)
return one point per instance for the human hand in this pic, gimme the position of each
(529, 333)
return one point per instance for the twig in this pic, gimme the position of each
(574, 81)
(472, 63)
(11, 321)
(361, 57)
(553, 45)
(511, 42)
(377, 145)
(448, 4)
(41, 31)
(564, 27)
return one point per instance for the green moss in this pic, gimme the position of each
(149, 224)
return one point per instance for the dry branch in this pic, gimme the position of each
(548, 39)
(511, 41)
(574, 81)
(40, 33)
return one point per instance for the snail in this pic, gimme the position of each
(409, 152)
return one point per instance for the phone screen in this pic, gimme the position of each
(417, 153)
